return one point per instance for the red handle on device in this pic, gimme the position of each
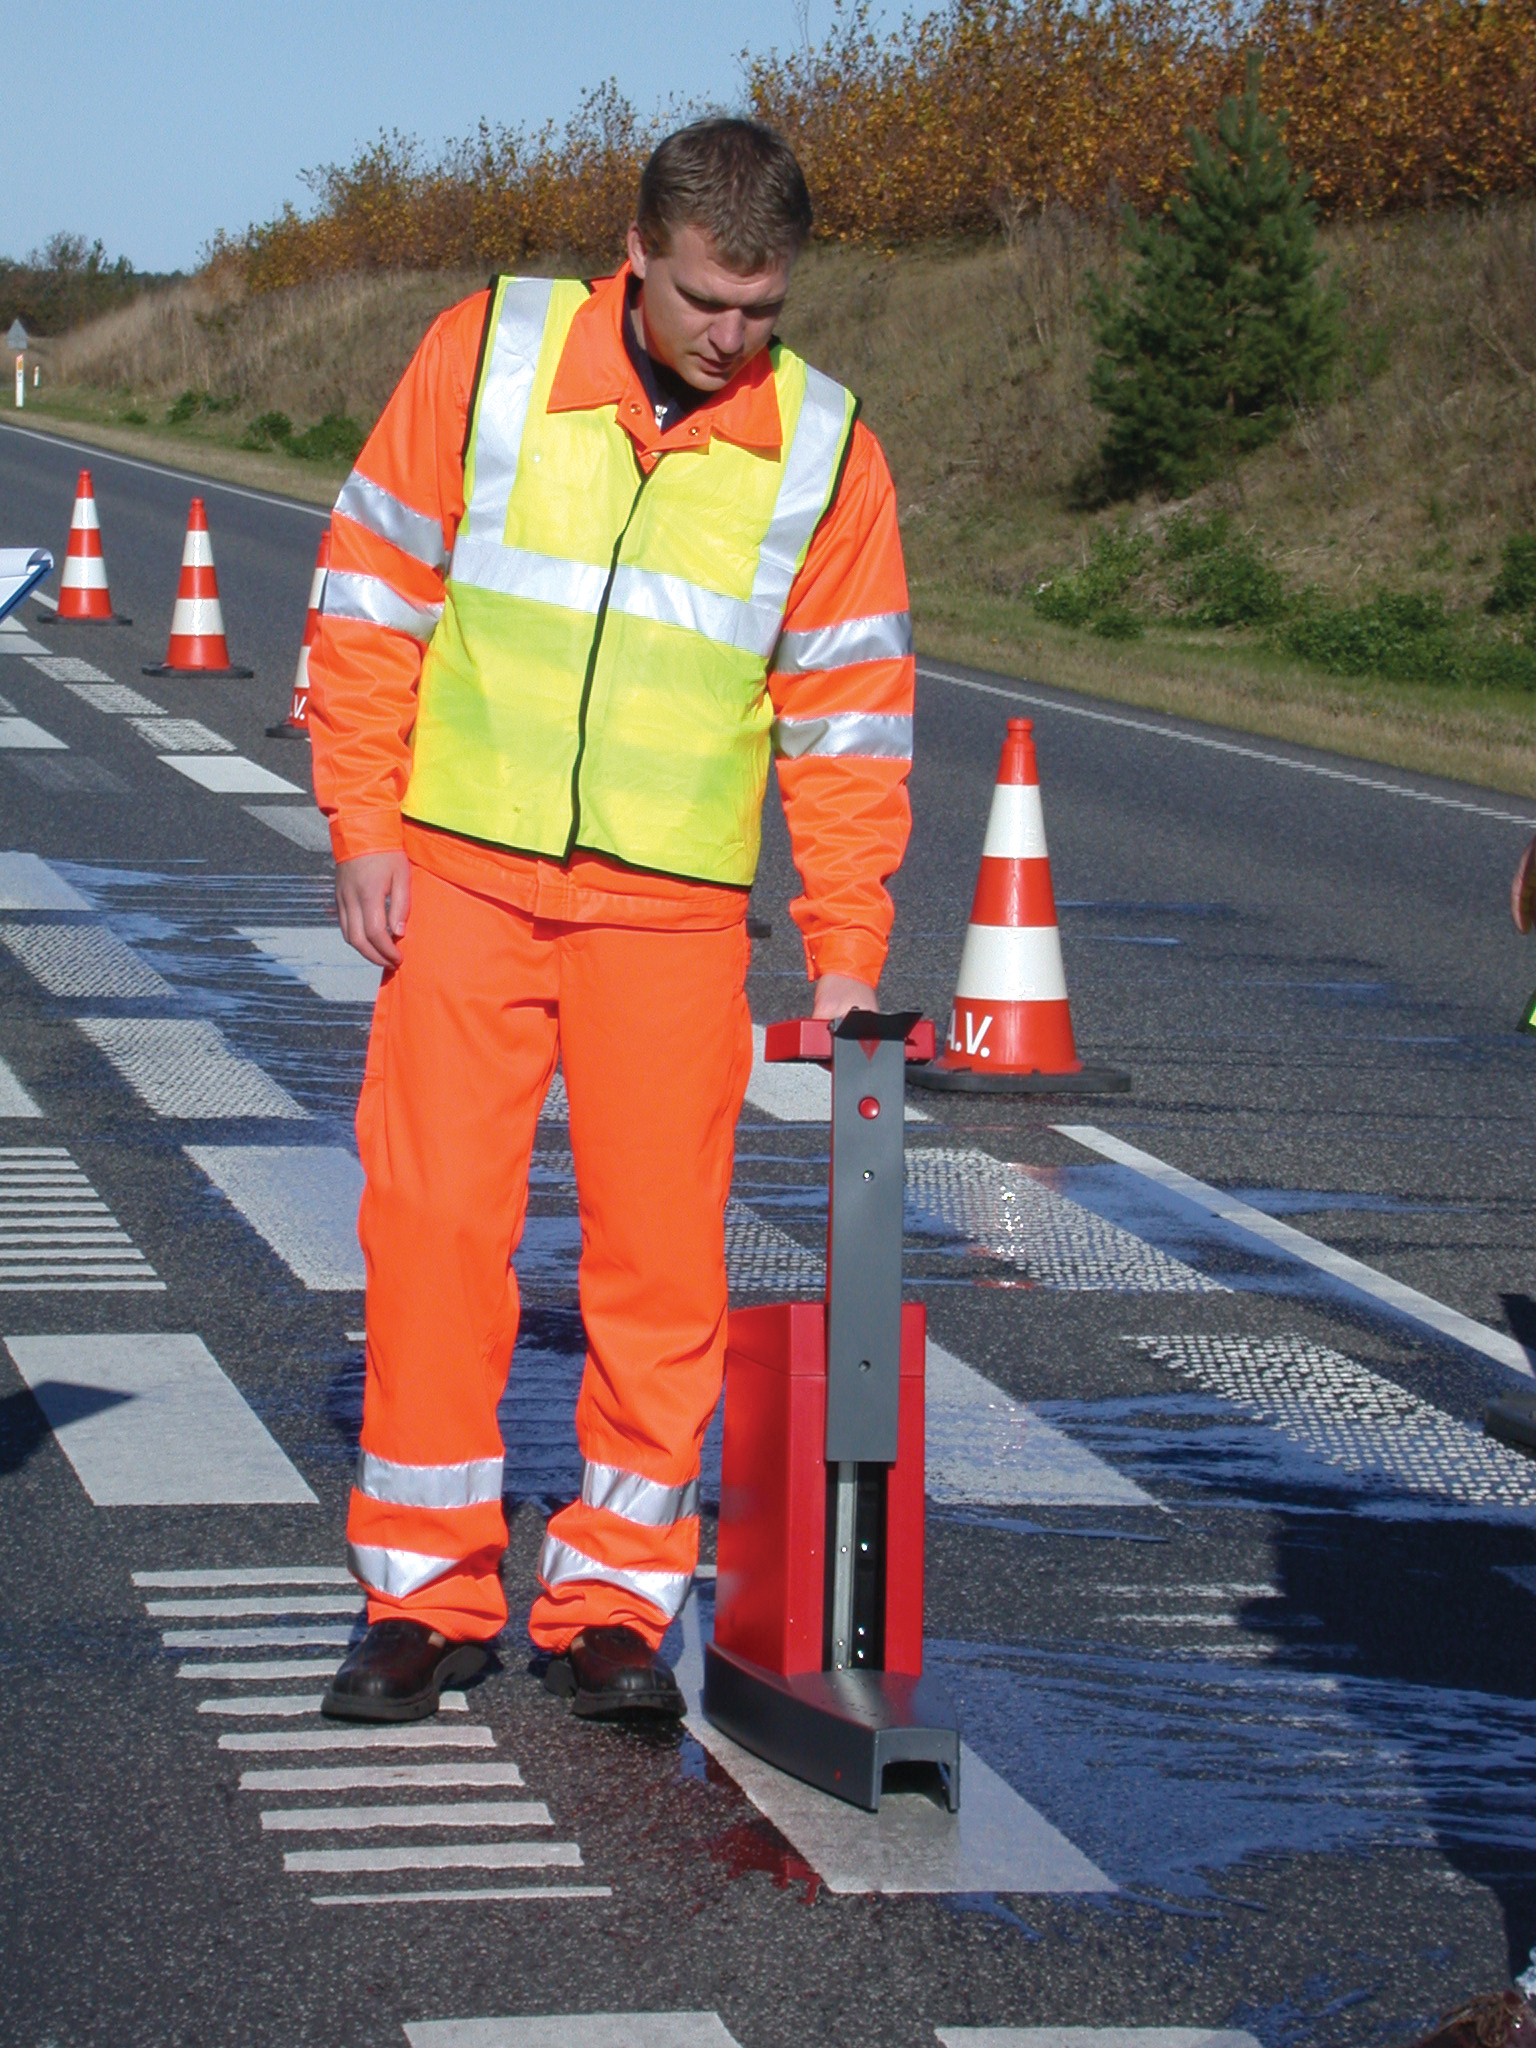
(810, 1038)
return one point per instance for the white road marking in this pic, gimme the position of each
(381, 1777)
(1521, 1575)
(49, 604)
(27, 883)
(760, 1257)
(484, 1894)
(435, 1856)
(69, 668)
(260, 1668)
(176, 736)
(1093, 2037)
(302, 1199)
(1393, 1294)
(985, 1448)
(300, 1603)
(74, 960)
(230, 775)
(301, 823)
(411, 1735)
(319, 955)
(996, 1843)
(252, 1575)
(15, 639)
(56, 1233)
(1197, 739)
(796, 1094)
(182, 1067)
(115, 699)
(255, 1638)
(577, 2030)
(462, 1813)
(24, 735)
(180, 476)
(14, 1099)
(286, 1706)
(151, 1421)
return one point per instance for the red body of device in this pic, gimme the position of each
(771, 1591)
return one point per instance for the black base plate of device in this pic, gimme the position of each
(1087, 1080)
(1512, 1419)
(836, 1730)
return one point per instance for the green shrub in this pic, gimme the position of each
(186, 408)
(1077, 597)
(336, 438)
(1186, 536)
(268, 430)
(1514, 588)
(133, 417)
(1405, 639)
(1232, 585)
(1118, 622)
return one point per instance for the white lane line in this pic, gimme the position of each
(759, 1257)
(1393, 1294)
(462, 1813)
(255, 1638)
(1093, 2037)
(27, 883)
(183, 1067)
(485, 1894)
(179, 476)
(299, 1603)
(259, 1668)
(985, 1448)
(997, 1842)
(286, 1706)
(382, 1778)
(84, 960)
(300, 823)
(230, 775)
(116, 700)
(1197, 739)
(577, 2030)
(303, 1199)
(412, 1735)
(49, 604)
(15, 639)
(14, 1099)
(69, 668)
(152, 1421)
(435, 1856)
(181, 736)
(319, 955)
(22, 735)
(796, 1094)
(251, 1575)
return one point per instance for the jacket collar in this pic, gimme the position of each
(594, 370)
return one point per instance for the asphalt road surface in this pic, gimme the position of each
(1236, 1600)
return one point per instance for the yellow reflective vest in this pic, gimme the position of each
(598, 678)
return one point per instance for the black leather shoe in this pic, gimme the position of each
(397, 1672)
(612, 1673)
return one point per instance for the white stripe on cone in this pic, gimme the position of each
(84, 572)
(316, 587)
(1011, 964)
(197, 616)
(1016, 823)
(197, 553)
(83, 519)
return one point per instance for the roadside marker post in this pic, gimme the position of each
(18, 341)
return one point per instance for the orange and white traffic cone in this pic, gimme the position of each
(197, 646)
(1010, 1031)
(83, 592)
(296, 724)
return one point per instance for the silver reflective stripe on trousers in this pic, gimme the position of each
(414, 533)
(396, 1573)
(505, 390)
(429, 1486)
(884, 636)
(349, 595)
(637, 1499)
(561, 1565)
(884, 735)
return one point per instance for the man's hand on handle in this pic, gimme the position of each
(373, 901)
(1522, 891)
(837, 994)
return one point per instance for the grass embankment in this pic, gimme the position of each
(971, 361)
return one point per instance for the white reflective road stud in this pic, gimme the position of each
(27, 883)
(436, 1856)
(21, 735)
(152, 1421)
(576, 2030)
(1015, 823)
(14, 1099)
(986, 1449)
(997, 1842)
(303, 1199)
(183, 1067)
(1093, 2037)
(459, 1813)
(794, 1093)
(319, 955)
(1393, 1294)
(299, 823)
(78, 960)
(181, 736)
(230, 775)
(1011, 964)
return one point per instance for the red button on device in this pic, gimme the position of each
(869, 1106)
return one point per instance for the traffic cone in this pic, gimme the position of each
(197, 646)
(83, 593)
(296, 724)
(1010, 1031)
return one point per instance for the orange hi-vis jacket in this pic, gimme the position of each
(834, 675)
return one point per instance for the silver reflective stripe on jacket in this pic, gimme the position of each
(883, 735)
(350, 595)
(396, 1573)
(637, 1499)
(884, 636)
(803, 490)
(415, 533)
(560, 1565)
(429, 1486)
(505, 390)
(517, 572)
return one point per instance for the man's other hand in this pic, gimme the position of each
(837, 994)
(1522, 891)
(373, 901)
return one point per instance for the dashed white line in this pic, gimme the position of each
(463, 1813)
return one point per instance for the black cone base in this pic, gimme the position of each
(285, 731)
(204, 675)
(53, 619)
(1088, 1080)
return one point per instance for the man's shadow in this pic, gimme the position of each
(24, 1426)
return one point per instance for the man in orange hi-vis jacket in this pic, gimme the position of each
(609, 548)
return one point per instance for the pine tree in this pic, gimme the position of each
(1225, 324)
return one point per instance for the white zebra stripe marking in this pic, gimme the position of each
(182, 1067)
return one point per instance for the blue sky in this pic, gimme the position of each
(153, 126)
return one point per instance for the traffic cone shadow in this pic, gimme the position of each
(197, 644)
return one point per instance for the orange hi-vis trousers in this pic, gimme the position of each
(652, 1032)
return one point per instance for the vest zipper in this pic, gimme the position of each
(587, 680)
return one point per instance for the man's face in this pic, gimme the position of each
(701, 319)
